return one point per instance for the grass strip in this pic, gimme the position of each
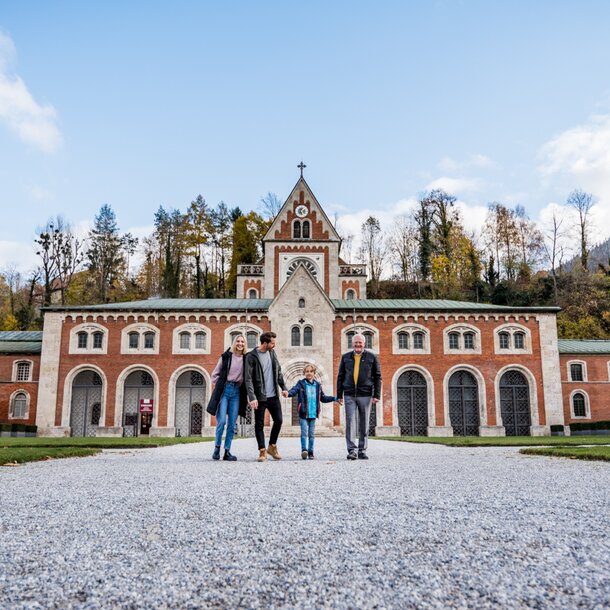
(101, 443)
(501, 441)
(575, 453)
(20, 455)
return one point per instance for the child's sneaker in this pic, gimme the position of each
(310, 455)
(304, 454)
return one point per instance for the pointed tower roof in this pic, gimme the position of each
(301, 194)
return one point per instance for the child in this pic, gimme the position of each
(310, 395)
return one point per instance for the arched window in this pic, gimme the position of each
(19, 407)
(306, 234)
(403, 340)
(418, 340)
(504, 340)
(350, 295)
(579, 405)
(200, 340)
(134, 340)
(82, 340)
(519, 339)
(576, 373)
(296, 229)
(252, 293)
(454, 340)
(368, 339)
(251, 339)
(308, 336)
(23, 371)
(185, 340)
(468, 340)
(295, 336)
(301, 303)
(149, 340)
(98, 340)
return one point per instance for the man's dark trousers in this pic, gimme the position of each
(274, 407)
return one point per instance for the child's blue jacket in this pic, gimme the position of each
(299, 390)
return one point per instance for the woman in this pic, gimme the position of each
(229, 395)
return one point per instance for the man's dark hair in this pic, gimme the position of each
(266, 337)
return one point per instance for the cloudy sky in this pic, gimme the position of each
(143, 104)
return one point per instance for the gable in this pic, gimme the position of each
(321, 227)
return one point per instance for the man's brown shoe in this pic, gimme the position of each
(273, 452)
(262, 455)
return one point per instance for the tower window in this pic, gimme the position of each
(296, 229)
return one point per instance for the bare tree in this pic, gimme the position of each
(553, 248)
(373, 249)
(582, 202)
(403, 246)
(270, 205)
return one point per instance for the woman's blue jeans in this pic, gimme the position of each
(228, 409)
(308, 429)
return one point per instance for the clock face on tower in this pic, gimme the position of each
(301, 211)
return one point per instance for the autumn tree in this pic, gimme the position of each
(582, 202)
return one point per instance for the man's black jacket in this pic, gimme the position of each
(254, 379)
(369, 376)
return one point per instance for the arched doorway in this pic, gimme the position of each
(139, 386)
(86, 405)
(515, 404)
(412, 404)
(464, 404)
(190, 398)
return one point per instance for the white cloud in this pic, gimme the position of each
(580, 158)
(21, 255)
(33, 123)
(40, 194)
(454, 185)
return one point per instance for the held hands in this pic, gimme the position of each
(254, 404)
(285, 393)
(375, 401)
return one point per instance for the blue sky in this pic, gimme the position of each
(153, 103)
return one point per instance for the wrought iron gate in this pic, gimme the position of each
(190, 396)
(245, 425)
(464, 404)
(86, 405)
(515, 404)
(412, 404)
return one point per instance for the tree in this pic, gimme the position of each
(270, 205)
(108, 251)
(553, 247)
(246, 232)
(402, 246)
(372, 249)
(423, 218)
(582, 202)
(197, 234)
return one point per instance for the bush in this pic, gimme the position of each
(592, 425)
(557, 428)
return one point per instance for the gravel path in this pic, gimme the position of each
(417, 526)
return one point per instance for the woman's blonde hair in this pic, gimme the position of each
(310, 366)
(234, 349)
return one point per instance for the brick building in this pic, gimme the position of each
(448, 367)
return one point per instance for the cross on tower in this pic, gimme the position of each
(301, 166)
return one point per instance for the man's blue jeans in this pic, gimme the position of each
(228, 408)
(308, 429)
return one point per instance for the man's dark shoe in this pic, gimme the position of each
(362, 456)
(229, 457)
(310, 455)
(216, 454)
(352, 455)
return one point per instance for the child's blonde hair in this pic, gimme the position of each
(313, 367)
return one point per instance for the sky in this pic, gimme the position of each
(143, 104)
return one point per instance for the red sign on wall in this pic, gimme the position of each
(146, 405)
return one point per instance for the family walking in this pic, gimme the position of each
(254, 378)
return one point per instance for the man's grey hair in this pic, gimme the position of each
(359, 336)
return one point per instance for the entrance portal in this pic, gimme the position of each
(139, 386)
(190, 397)
(464, 404)
(412, 404)
(515, 403)
(86, 406)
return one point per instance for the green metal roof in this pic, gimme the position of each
(428, 305)
(584, 346)
(173, 305)
(20, 347)
(21, 335)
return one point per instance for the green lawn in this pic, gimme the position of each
(19, 455)
(140, 442)
(501, 441)
(577, 453)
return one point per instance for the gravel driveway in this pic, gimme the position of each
(417, 526)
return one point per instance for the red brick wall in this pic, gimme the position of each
(437, 363)
(597, 386)
(7, 386)
(300, 249)
(347, 284)
(248, 284)
(317, 226)
(164, 363)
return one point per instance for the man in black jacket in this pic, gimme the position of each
(359, 384)
(263, 379)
